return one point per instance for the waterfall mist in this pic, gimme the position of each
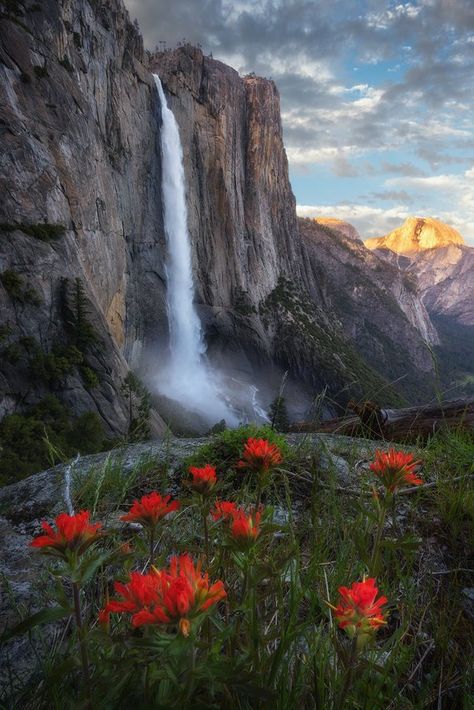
(185, 377)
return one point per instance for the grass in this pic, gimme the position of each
(277, 645)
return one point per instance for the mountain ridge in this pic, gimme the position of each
(417, 234)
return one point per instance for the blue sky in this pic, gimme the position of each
(377, 98)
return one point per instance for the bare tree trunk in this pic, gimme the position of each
(396, 424)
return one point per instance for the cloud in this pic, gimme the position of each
(376, 221)
(414, 62)
(393, 195)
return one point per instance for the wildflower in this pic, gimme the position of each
(150, 509)
(358, 611)
(224, 510)
(260, 456)
(73, 533)
(168, 596)
(395, 469)
(245, 528)
(203, 479)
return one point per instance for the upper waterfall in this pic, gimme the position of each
(185, 377)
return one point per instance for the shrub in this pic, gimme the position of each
(40, 71)
(43, 436)
(226, 448)
(43, 231)
(12, 282)
(64, 62)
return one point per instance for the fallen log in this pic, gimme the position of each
(403, 425)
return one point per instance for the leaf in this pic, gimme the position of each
(90, 566)
(45, 616)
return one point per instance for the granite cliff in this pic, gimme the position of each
(441, 266)
(82, 228)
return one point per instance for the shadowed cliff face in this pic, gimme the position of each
(375, 303)
(79, 142)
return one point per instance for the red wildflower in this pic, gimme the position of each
(224, 510)
(203, 479)
(260, 456)
(73, 532)
(358, 613)
(395, 469)
(245, 528)
(173, 596)
(150, 509)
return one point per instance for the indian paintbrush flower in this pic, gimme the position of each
(150, 509)
(74, 533)
(224, 510)
(260, 455)
(243, 527)
(395, 469)
(359, 613)
(175, 595)
(203, 479)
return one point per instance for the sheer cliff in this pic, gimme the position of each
(82, 247)
(81, 200)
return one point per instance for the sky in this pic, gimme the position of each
(377, 98)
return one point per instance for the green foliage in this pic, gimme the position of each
(13, 284)
(89, 377)
(40, 71)
(65, 62)
(27, 440)
(76, 315)
(52, 367)
(43, 231)
(138, 401)
(77, 40)
(225, 449)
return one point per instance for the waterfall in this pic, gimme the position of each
(186, 377)
(67, 485)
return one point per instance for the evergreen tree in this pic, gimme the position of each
(278, 414)
(138, 401)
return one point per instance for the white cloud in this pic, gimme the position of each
(383, 20)
(376, 222)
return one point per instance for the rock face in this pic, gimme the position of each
(339, 225)
(417, 234)
(376, 304)
(79, 155)
(434, 256)
(82, 216)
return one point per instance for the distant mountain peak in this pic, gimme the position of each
(417, 234)
(339, 225)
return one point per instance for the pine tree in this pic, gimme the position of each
(278, 414)
(138, 402)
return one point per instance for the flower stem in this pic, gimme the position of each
(206, 535)
(152, 545)
(82, 642)
(394, 514)
(374, 560)
(349, 674)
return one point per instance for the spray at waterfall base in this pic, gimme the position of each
(189, 392)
